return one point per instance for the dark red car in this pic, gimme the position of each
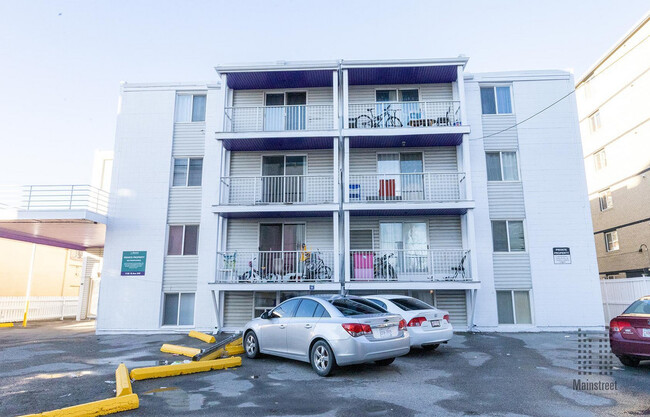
(629, 333)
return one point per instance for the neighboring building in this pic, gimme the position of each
(56, 232)
(400, 176)
(614, 110)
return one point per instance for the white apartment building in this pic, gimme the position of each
(400, 176)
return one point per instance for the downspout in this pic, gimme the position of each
(341, 155)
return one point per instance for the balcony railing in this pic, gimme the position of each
(278, 189)
(54, 198)
(410, 265)
(275, 266)
(403, 114)
(427, 186)
(279, 118)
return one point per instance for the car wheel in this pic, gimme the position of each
(322, 358)
(385, 362)
(431, 347)
(251, 345)
(628, 361)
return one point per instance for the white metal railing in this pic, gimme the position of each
(40, 308)
(54, 197)
(279, 118)
(278, 189)
(275, 266)
(410, 265)
(403, 114)
(426, 186)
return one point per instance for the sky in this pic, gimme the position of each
(61, 62)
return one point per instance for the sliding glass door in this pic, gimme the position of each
(283, 178)
(285, 111)
(402, 176)
(280, 246)
(408, 242)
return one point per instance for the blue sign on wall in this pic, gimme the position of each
(134, 262)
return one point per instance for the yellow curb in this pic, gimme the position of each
(234, 350)
(183, 368)
(96, 408)
(180, 350)
(122, 381)
(237, 342)
(202, 336)
(6, 325)
(214, 355)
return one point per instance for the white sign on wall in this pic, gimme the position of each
(561, 255)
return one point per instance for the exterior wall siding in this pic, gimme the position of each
(189, 139)
(238, 308)
(255, 98)
(319, 161)
(180, 273)
(440, 158)
(243, 234)
(455, 303)
(428, 92)
(506, 200)
(184, 205)
(512, 271)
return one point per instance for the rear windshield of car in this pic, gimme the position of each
(408, 304)
(355, 307)
(639, 307)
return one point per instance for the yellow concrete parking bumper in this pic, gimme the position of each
(6, 325)
(183, 368)
(97, 408)
(122, 381)
(180, 350)
(202, 336)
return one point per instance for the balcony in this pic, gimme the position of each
(68, 216)
(405, 124)
(278, 127)
(416, 187)
(268, 267)
(410, 265)
(255, 196)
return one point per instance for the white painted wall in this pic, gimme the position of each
(137, 210)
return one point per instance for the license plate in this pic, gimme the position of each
(435, 323)
(646, 332)
(384, 332)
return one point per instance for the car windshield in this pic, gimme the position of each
(357, 306)
(408, 304)
(639, 307)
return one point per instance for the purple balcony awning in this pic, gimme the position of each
(278, 143)
(402, 75)
(406, 141)
(280, 79)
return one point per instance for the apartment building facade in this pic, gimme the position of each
(401, 176)
(614, 110)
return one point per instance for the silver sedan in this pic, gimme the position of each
(328, 331)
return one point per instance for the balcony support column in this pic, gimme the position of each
(337, 247)
(460, 85)
(337, 175)
(346, 245)
(470, 239)
(346, 169)
(345, 99)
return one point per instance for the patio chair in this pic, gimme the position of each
(458, 270)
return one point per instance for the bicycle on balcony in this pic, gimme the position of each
(315, 268)
(387, 118)
(383, 269)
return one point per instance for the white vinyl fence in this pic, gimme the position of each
(40, 308)
(618, 294)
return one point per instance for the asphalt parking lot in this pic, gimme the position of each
(58, 364)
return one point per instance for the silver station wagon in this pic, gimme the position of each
(328, 331)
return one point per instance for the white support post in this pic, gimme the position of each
(345, 99)
(337, 247)
(471, 244)
(346, 245)
(65, 272)
(346, 170)
(335, 92)
(29, 284)
(337, 175)
(460, 84)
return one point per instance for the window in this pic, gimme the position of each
(502, 166)
(187, 172)
(263, 301)
(183, 240)
(285, 309)
(190, 108)
(496, 100)
(321, 312)
(379, 303)
(638, 307)
(600, 160)
(508, 236)
(411, 304)
(605, 199)
(513, 307)
(411, 94)
(307, 308)
(594, 121)
(354, 307)
(611, 241)
(178, 309)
